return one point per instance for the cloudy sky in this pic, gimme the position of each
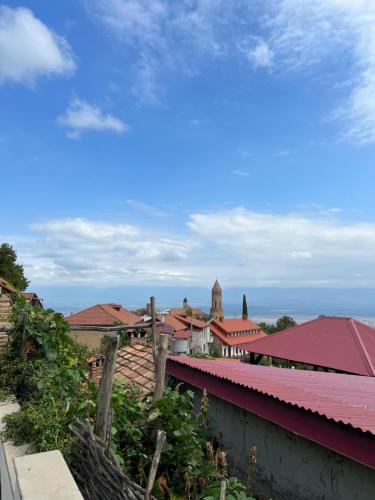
(159, 142)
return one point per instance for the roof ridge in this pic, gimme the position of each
(108, 312)
(288, 329)
(362, 347)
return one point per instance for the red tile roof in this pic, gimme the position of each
(342, 398)
(232, 325)
(236, 340)
(339, 343)
(174, 322)
(182, 334)
(188, 321)
(135, 366)
(103, 315)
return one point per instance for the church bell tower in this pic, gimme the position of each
(216, 311)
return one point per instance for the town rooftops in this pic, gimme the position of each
(103, 315)
(135, 366)
(226, 328)
(334, 410)
(339, 343)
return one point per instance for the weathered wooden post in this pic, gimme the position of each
(153, 325)
(223, 490)
(103, 415)
(160, 362)
(160, 440)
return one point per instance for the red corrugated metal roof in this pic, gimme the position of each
(232, 325)
(348, 399)
(340, 343)
(237, 340)
(103, 315)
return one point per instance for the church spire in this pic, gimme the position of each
(216, 311)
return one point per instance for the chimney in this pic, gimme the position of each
(137, 341)
(95, 368)
(244, 317)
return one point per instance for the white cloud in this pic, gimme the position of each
(290, 36)
(304, 34)
(260, 55)
(81, 116)
(77, 250)
(146, 208)
(240, 173)
(244, 247)
(287, 250)
(29, 49)
(282, 153)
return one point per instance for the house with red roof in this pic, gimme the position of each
(100, 315)
(312, 434)
(339, 344)
(189, 335)
(229, 335)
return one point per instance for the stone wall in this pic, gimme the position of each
(90, 338)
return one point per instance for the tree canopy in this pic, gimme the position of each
(244, 306)
(9, 269)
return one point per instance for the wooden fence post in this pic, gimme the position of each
(155, 463)
(105, 391)
(153, 325)
(160, 362)
(223, 490)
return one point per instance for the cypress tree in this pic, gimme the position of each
(244, 306)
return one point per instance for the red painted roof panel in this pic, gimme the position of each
(340, 343)
(343, 398)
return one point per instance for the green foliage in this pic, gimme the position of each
(281, 324)
(235, 490)
(53, 390)
(285, 322)
(51, 384)
(9, 269)
(244, 306)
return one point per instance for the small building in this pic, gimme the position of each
(332, 343)
(189, 335)
(229, 335)
(312, 433)
(33, 299)
(100, 315)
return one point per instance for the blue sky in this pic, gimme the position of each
(164, 143)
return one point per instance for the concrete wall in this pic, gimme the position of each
(288, 467)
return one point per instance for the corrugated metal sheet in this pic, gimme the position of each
(343, 398)
(343, 344)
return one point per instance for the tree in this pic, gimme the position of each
(285, 322)
(9, 269)
(244, 306)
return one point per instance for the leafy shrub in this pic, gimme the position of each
(51, 384)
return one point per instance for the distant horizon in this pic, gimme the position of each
(263, 303)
